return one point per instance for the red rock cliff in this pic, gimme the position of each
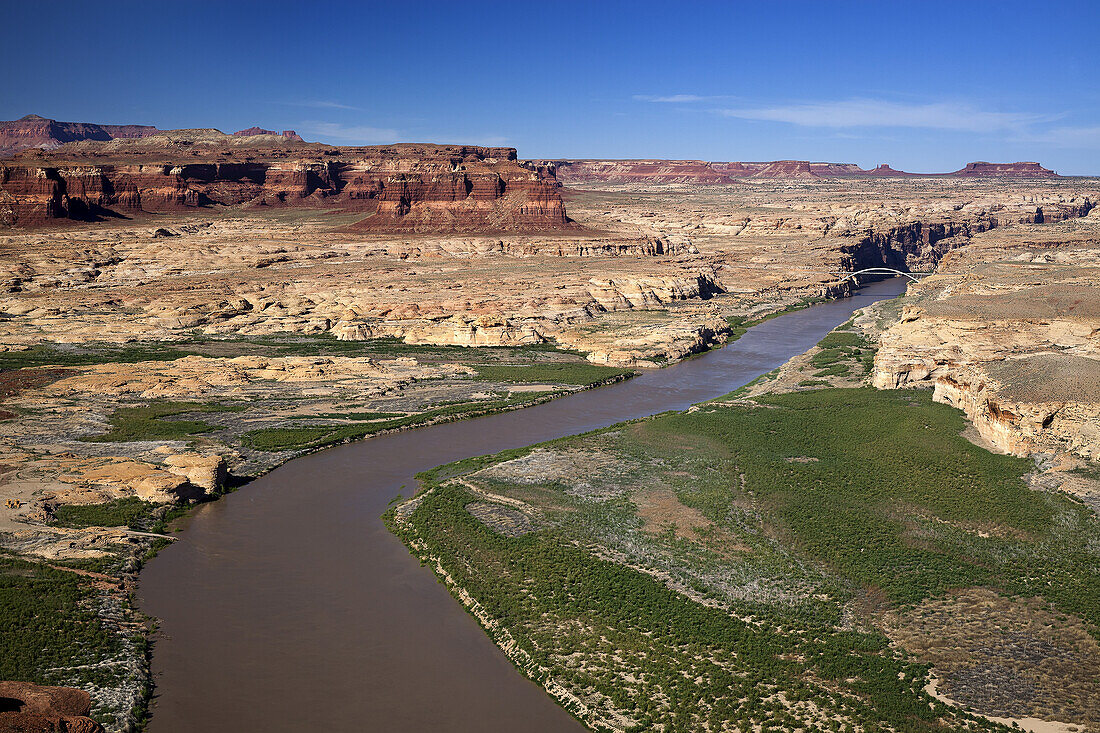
(408, 187)
(33, 131)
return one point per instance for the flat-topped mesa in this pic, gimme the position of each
(723, 172)
(33, 131)
(252, 131)
(455, 188)
(408, 187)
(1022, 169)
(642, 171)
(782, 169)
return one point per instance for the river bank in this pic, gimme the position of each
(207, 615)
(710, 567)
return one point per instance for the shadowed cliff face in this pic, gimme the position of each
(408, 187)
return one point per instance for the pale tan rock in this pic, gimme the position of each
(207, 472)
(1010, 334)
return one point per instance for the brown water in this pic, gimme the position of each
(287, 606)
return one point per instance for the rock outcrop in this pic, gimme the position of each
(251, 131)
(641, 171)
(1009, 334)
(28, 708)
(33, 131)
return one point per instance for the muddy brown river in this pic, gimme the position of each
(288, 606)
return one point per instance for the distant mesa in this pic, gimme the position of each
(702, 172)
(288, 134)
(52, 171)
(35, 131)
(1027, 169)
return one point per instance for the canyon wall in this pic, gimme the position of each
(1009, 332)
(919, 245)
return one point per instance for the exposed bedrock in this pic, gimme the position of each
(919, 245)
(1010, 334)
(723, 172)
(641, 292)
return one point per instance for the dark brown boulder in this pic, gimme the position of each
(28, 708)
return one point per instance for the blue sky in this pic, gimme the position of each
(925, 86)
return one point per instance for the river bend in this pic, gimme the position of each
(288, 606)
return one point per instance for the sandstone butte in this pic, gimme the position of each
(408, 187)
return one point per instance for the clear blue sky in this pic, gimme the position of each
(925, 86)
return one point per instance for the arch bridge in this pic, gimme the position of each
(882, 271)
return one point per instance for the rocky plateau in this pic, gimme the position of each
(255, 283)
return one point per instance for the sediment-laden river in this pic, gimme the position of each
(288, 606)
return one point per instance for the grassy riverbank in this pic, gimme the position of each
(735, 566)
(85, 593)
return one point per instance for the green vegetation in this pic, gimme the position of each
(360, 415)
(57, 355)
(307, 437)
(47, 623)
(129, 512)
(840, 351)
(578, 373)
(145, 423)
(781, 512)
(289, 344)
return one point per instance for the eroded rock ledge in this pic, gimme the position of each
(1009, 332)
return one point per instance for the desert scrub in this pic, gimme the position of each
(58, 355)
(840, 351)
(47, 623)
(129, 512)
(630, 646)
(146, 423)
(580, 374)
(776, 514)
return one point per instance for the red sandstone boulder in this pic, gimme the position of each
(28, 708)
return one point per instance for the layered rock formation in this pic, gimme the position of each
(1008, 332)
(251, 131)
(409, 187)
(641, 171)
(33, 131)
(1006, 170)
